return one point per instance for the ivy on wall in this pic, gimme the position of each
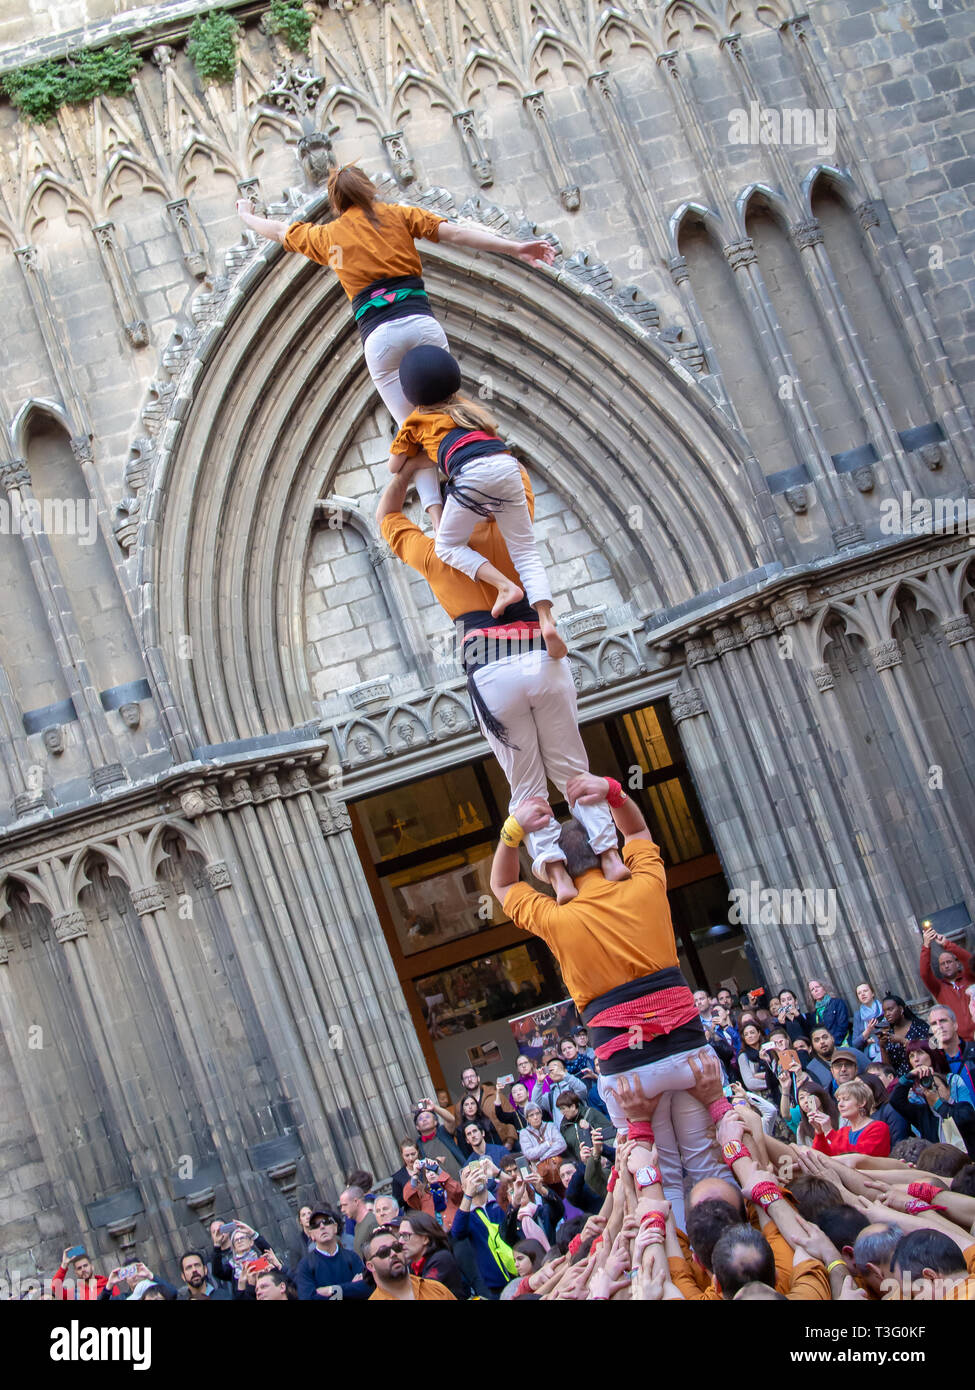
(212, 45)
(292, 21)
(40, 90)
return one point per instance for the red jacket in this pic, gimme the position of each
(874, 1138)
(87, 1291)
(951, 996)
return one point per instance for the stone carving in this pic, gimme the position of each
(148, 899)
(823, 676)
(334, 818)
(755, 625)
(932, 456)
(197, 801)
(379, 552)
(131, 714)
(178, 350)
(887, 654)
(585, 267)
(868, 215)
(125, 522)
(490, 214)
(370, 694)
(697, 651)
(294, 89)
(807, 233)
(205, 305)
(685, 704)
(848, 537)
(53, 737)
(362, 743)
(240, 793)
(14, 474)
(70, 925)
(218, 874)
(798, 499)
(477, 155)
(583, 621)
(108, 775)
(740, 253)
(194, 256)
(159, 398)
(399, 156)
(4, 950)
(317, 159)
(863, 478)
(679, 270)
(139, 466)
(268, 787)
(727, 639)
(957, 630)
(632, 301)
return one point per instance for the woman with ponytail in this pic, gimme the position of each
(370, 246)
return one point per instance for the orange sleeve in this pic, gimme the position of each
(407, 542)
(422, 223)
(406, 441)
(530, 910)
(810, 1283)
(642, 858)
(309, 239)
(683, 1279)
(783, 1254)
(969, 1257)
(698, 1272)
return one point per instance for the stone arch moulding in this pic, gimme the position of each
(274, 372)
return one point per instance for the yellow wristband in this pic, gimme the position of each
(835, 1264)
(512, 833)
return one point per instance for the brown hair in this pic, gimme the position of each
(944, 1160)
(349, 188)
(462, 410)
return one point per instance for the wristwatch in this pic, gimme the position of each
(647, 1176)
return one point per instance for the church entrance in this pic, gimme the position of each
(466, 971)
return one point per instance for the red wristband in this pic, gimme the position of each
(925, 1190)
(765, 1193)
(611, 1180)
(719, 1107)
(654, 1218)
(574, 1245)
(615, 796)
(914, 1206)
(525, 1286)
(641, 1130)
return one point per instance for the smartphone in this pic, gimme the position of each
(755, 993)
(524, 1164)
(75, 1251)
(505, 1080)
(788, 1059)
(258, 1266)
(128, 1272)
(228, 1228)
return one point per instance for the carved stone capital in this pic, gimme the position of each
(679, 270)
(668, 61)
(197, 801)
(823, 676)
(685, 704)
(14, 474)
(727, 639)
(755, 625)
(218, 874)
(69, 925)
(958, 630)
(807, 233)
(848, 537)
(148, 899)
(697, 651)
(868, 215)
(240, 793)
(108, 775)
(887, 654)
(334, 818)
(740, 253)
(268, 787)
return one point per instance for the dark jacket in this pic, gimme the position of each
(317, 1270)
(548, 1214)
(836, 1017)
(442, 1266)
(442, 1145)
(575, 1136)
(927, 1122)
(216, 1293)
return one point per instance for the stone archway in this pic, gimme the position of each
(281, 391)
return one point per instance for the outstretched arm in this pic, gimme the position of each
(264, 226)
(535, 253)
(506, 869)
(394, 496)
(589, 789)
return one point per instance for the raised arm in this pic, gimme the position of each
(534, 253)
(506, 868)
(264, 226)
(393, 497)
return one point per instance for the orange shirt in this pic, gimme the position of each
(609, 933)
(425, 1289)
(455, 593)
(810, 1283)
(359, 253)
(423, 432)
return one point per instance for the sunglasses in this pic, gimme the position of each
(395, 1248)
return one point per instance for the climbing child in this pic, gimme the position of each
(483, 480)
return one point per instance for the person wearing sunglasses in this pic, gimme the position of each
(329, 1272)
(387, 1262)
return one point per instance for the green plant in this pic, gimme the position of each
(292, 21)
(212, 45)
(41, 90)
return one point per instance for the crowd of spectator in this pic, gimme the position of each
(849, 1150)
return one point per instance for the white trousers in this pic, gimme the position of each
(384, 350)
(534, 698)
(682, 1128)
(497, 477)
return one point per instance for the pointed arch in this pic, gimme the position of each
(28, 416)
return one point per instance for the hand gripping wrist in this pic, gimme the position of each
(512, 833)
(765, 1193)
(641, 1131)
(615, 795)
(719, 1107)
(732, 1151)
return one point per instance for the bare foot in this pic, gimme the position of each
(612, 865)
(507, 594)
(565, 889)
(554, 645)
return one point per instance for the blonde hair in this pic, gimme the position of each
(860, 1092)
(463, 411)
